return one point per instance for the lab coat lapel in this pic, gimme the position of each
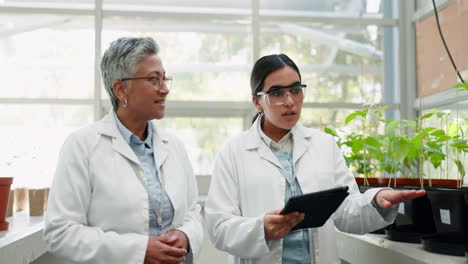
(301, 141)
(254, 141)
(160, 147)
(108, 127)
(266, 154)
(121, 146)
(161, 155)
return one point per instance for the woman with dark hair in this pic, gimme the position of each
(257, 171)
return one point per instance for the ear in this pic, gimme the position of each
(256, 102)
(120, 90)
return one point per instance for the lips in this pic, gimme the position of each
(289, 113)
(161, 102)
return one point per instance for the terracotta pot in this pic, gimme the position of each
(402, 182)
(5, 184)
(21, 199)
(37, 198)
(11, 203)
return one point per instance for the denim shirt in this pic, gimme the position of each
(145, 154)
(296, 243)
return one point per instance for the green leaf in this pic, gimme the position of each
(428, 129)
(462, 86)
(427, 115)
(401, 152)
(355, 114)
(330, 132)
(438, 133)
(434, 151)
(442, 114)
(350, 118)
(371, 149)
(399, 149)
(381, 110)
(453, 129)
(461, 144)
(443, 139)
(461, 168)
(436, 160)
(372, 141)
(392, 126)
(357, 146)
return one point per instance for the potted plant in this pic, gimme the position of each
(450, 204)
(5, 185)
(363, 151)
(400, 151)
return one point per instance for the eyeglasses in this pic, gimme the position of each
(278, 95)
(155, 80)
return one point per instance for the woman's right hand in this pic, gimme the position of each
(159, 252)
(278, 226)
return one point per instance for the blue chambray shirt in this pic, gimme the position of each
(296, 244)
(145, 154)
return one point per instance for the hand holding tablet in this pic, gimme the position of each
(317, 206)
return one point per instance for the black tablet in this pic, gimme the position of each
(317, 206)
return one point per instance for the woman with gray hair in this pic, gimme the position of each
(124, 190)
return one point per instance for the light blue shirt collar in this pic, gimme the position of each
(284, 144)
(131, 138)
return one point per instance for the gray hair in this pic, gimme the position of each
(121, 60)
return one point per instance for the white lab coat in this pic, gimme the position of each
(247, 182)
(98, 205)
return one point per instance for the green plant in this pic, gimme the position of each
(403, 147)
(461, 86)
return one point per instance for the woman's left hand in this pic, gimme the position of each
(175, 238)
(386, 198)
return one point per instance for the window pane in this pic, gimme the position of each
(50, 3)
(47, 56)
(210, 65)
(211, 86)
(340, 7)
(321, 118)
(421, 4)
(329, 87)
(182, 3)
(202, 137)
(337, 64)
(31, 138)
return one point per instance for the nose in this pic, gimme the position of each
(163, 89)
(288, 100)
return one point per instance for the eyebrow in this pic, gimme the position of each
(157, 73)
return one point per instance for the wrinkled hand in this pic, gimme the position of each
(387, 198)
(175, 238)
(278, 226)
(158, 252)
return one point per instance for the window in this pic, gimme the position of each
(209, 47)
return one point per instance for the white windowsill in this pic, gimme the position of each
(371, 248)
(22, 242)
